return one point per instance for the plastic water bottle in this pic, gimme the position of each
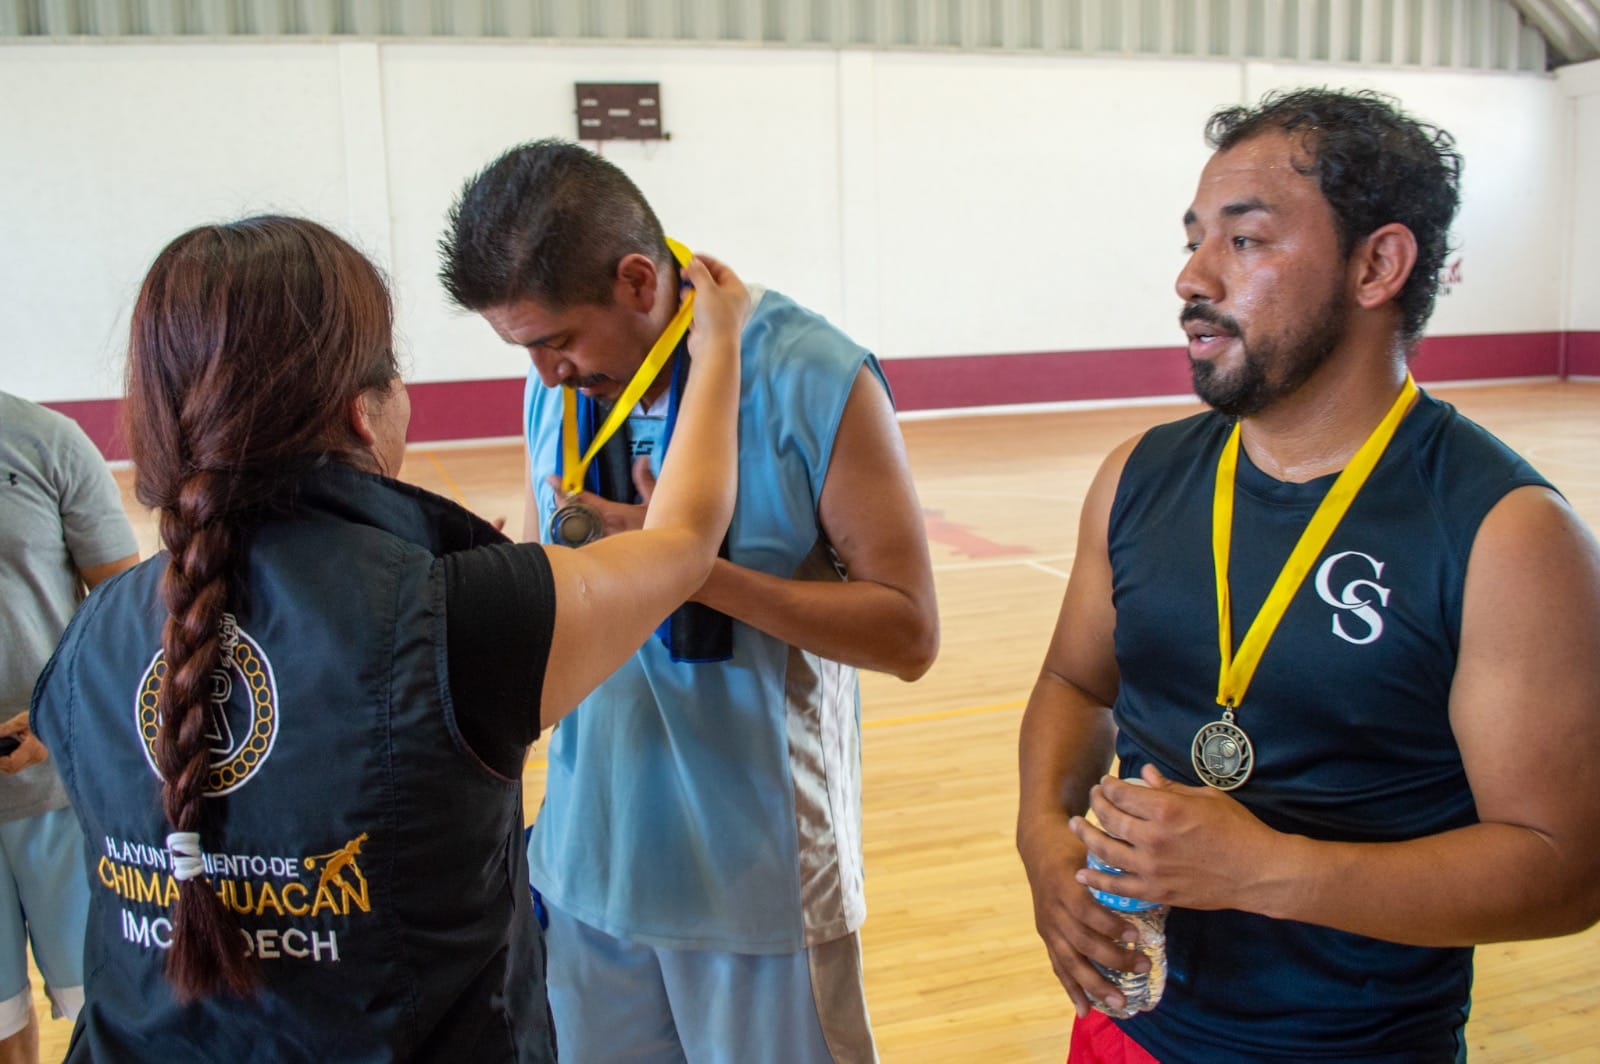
(1141, 993)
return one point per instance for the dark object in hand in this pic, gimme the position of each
(9, 744)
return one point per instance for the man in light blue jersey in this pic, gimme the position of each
(699, 846)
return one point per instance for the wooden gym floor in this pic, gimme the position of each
(954, 970)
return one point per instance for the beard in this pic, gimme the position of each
(1251, 388)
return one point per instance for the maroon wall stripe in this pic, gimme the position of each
(440, 410)
(1467, 358)
(1146, 372)
(460, 410)
(102, 420)
(1039, 377)
(465, 410)
(1583, 354)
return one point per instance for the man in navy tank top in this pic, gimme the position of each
(1344, 635)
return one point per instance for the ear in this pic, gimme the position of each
(635, 284)
(362, 414)
(1381, 264)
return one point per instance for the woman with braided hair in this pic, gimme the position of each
(295, 737)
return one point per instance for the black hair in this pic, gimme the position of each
(549, 221)
(1375, 165)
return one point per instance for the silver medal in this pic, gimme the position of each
(574, 525)
(1222, 754)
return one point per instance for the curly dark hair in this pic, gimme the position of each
(548, 220)
(1375, 164)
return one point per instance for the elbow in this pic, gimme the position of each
(705, 563)
(1585, 911)
(915, 668)
(1571, 906)
(917, 650)
(688, 558)
(1559, 923)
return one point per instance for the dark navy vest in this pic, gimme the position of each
(375, 863)
(1348, 714)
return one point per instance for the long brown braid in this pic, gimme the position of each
(250, 342)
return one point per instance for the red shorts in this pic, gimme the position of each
(1096, 1040)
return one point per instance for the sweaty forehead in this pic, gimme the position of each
(1259, 170)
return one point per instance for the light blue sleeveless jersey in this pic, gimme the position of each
(718, 806)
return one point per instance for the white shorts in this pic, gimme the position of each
(618, 1001)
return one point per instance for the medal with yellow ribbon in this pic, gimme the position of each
(574, 524)
(1222, 754)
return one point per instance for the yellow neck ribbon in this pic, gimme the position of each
(1236, 672)
(573, 465)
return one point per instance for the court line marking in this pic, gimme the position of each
(996, 563)
(455, 491)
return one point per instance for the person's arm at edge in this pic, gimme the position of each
(1066, 743)
(93, 522)
(613, 593)
(530, 501)
(30, 750)
(94, 575)
(1525, 709)
(884, 617)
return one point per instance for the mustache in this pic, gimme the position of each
(591, 381)
(1210, 315)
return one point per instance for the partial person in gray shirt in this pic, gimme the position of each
(62, 531)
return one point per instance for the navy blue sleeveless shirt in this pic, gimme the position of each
(1348, 713)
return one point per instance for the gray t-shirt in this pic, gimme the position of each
(59, 512)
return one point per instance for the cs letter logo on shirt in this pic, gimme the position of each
(1357, 599)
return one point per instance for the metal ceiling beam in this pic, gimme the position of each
(1481, 34)
(1572, 27)
(1585, 18)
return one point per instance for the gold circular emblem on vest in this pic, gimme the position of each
(234, 760)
